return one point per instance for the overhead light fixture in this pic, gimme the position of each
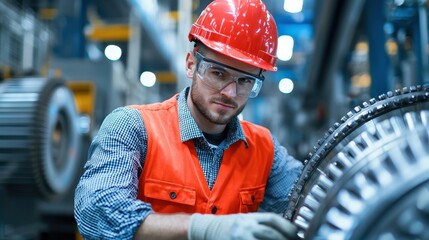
(293, 6)
(286, 85)
(148, 79)
(285, 47)
(113, 52)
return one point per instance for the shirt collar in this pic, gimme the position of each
(190, 130)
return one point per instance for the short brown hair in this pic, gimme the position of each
(200, 47)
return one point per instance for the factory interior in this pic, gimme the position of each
(350, 99)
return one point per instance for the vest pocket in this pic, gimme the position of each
(170, 192)
(251, 198)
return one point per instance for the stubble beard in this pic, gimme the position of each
(198, 100)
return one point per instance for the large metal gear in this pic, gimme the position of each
(39, 137)
(368, 178)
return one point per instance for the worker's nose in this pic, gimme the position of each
(230, 90)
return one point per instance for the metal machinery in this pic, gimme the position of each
(39, 158)
(39, 134)
(45, 127)
(368, 177)
(39, 150)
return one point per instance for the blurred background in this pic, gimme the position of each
(332, 56)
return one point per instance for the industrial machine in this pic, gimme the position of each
(40, 158)
(49, 111)
(368, 178)
(39, 146)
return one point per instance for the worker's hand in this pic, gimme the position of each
(240, 226)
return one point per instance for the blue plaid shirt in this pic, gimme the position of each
(105, 199)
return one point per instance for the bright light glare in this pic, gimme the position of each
(148, 79)
(293, 6)
(286, 85)
(113, 52)
(285, 48)
(399, 2)
(150, 7)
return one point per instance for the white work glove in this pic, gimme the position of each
(240, 226)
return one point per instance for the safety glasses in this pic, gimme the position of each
(218, 76)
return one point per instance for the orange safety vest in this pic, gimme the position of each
(172, 180)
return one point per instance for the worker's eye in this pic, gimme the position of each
(246, 81)
(218, 73)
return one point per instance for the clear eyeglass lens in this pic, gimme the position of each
(219, 77)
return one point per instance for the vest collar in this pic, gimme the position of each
(189, 128)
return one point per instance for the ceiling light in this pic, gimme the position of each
(113, 52)
(293, 6)
(285, 47)
(286, 85)
(148, 79)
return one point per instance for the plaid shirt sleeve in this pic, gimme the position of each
(105, 198)
(284, 172)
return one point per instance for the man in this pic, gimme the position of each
(187, 168)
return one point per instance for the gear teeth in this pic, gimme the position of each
(359, 134)
(357, 109)
(365, 104)
(27, 167)
(398, 92)
(406, 90)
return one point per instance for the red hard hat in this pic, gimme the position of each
(241, 29)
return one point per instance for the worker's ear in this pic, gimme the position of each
(191, 64)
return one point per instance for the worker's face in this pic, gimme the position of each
(218, 104)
